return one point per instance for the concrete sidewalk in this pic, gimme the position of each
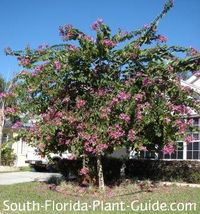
(22, 177)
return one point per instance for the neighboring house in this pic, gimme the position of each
(20, 148)
(184, 152)
(189, 151)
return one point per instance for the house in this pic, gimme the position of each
(186, 151)
(20, 148)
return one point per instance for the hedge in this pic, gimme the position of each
(165, 170)
(160, 170)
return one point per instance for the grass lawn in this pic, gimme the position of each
(39, 192)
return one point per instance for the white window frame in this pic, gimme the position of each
(185, 150)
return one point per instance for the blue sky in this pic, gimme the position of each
(35, 22)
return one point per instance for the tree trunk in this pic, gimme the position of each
(100, 173)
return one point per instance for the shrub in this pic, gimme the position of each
(7, 156)
(187, 171)
(55, 180)
(67, 167)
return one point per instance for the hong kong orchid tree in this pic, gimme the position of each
(111, 91)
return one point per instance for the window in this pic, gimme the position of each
(196, 121)
(177, 154)
(148, 154)
(193, 151)
(196, 124)
(195, 135)
(183, 151)
(24, 147)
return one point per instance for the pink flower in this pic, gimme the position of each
(193, 51)
(84, 136)
(116, 132)
(63, 141)
(96, 24)
(17, 125)
(60, 134)
(133, 56)
(84, 171)
(143, 148)
(139, 97)
(39, 68)
(114, 101)
(58, 114)
(180, 109)
(48, 138)
(123, 96)
(182, 125)
(197, 73)
(66, 99)
(72, 48)
(124, 117)
(10, 110)
(30, 90)
(71, 157)
(2, 95)
(168, 149)
(162, 38)
(100, 92)
(57, 65)
(131, 135)
(24, 61)
(167, 120)
(67, 32)
(80, 103)
(189, 139)
(105, 112)
(87, 38)
(33, 74)
(108, 43)
(190, 122)
(23, 72)
(81, 190)
(146, 82)
(7, 94)
(81, 126)
(110, 193)
(101, 147)
(139, 114)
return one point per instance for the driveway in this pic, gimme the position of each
(22, 177)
